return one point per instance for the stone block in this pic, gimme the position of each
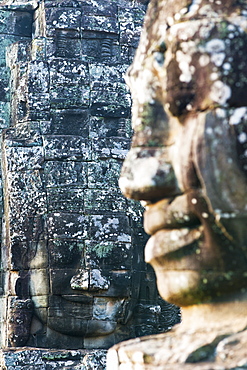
(13, 48)
(11, 282)
(63, 18)
(104, 127)
(72, 308)
(100, 342)
(21, 358)
(101, 108)
(19, 321)
(99, 8)
(25, 135)
(65, 253)
(38, 78)
(131, 21)
(109, 227)
(64, 44)
(24, 254)
(131, 12)
(39, 258)
(27, 196)
(3, 310)
(39, 110)
(113, 147)
(70, 122)
(39, 22)
(38, 49)
(66, 147)
(68, 225)
(60, 281)
(107, 76)
(4, 114)
(65, 200)
(63, 4)
(25, 233)
(4, 84)
(100, 47)
(69, 81)
(103, 200)
(16, 23)
(70, 95)
(57, 174)
(110, 97)
(2, 284)
(44, 125)
(127, 54)
(99, 23)
(108, 255)
(41, 301)
(74, 71)
(129, 34)
(120, 285)
(104, 174)
(24, 158)
(39, 282)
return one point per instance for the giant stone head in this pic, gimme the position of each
(188, 155)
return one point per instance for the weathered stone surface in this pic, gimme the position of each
(72, 244)
(62, 173)
(69, 122)
(20, 317)
(151, 352)
(188, 163)
(31, 359)
(18, 23)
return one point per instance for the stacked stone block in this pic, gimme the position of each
(67, 228)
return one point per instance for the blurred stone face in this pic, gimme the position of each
(188, 155)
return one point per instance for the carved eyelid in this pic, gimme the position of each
(161, 48)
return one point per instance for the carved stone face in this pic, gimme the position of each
(88, 291)
(69, 232)
(189, 150)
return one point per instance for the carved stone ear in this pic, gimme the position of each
(19, 321)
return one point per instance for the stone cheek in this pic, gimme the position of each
(202, 52)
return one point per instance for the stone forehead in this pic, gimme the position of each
(172, 7)
(170, 12)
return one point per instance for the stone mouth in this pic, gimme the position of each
(78, 298)
(167, 241)
(170, 215)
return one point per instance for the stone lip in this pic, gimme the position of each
(147, 353)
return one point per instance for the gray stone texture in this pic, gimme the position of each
(33, 359)
(72, 264)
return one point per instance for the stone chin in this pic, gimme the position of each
(177, 287)
(185, 288)
(82, 327)
(100, 316)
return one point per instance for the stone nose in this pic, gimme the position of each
(147, 174)
(90, 280)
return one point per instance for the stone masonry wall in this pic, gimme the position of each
(65, 111)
